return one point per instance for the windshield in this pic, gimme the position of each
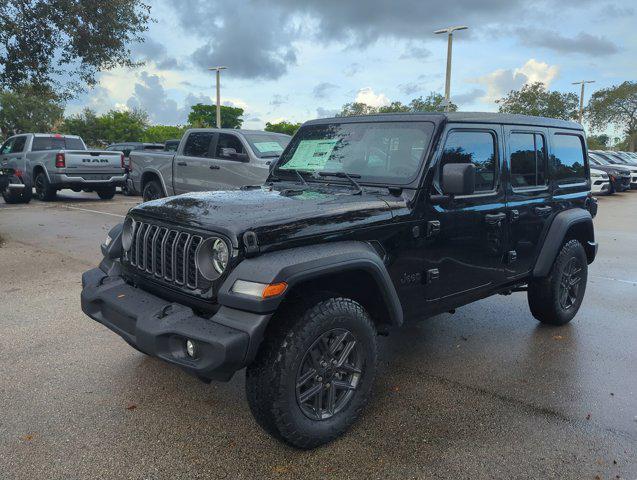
(388, 152)
(57, 143)
(267, 145)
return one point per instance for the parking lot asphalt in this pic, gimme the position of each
(487, 392)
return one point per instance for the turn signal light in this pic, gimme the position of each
(274, 289)
(60, 161)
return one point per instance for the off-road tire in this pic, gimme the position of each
(18, 196)
(106, 193)
(544, 293)
(152, 191)
(44, 191)
(271, 379)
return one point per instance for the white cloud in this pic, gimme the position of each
(366, 95)
(500, 82)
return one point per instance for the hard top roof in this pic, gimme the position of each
(459, 117)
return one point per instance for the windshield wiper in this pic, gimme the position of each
(297, 172)
(348, 176)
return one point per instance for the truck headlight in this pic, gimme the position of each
(127, 233)
(212, 257)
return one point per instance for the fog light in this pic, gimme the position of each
(191, 348)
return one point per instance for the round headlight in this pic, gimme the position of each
(212, 258)
(127, 233)
(220, 255)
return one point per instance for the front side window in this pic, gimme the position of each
(7, 146)
(477, 147)
(227, 140)
(568, 158)
(388, 152)
(527, 160)
(198, 144)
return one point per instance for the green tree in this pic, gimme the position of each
(598, 142)
(27, 111)
(616, 105)
(204, 116)
(535, 99)
(434, 102)
(45, 41)
(161, 133)
(86, 124)
(122, 126)
(282, 127)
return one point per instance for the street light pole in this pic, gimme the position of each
(449, 31)
(218, 70)
(581, 98)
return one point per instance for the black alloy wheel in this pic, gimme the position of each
(570, 283)
(152, 191)
(329, 374)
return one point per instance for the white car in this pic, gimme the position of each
(599, 181)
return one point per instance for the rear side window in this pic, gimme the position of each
(568, 158)
(527, 160)
(198, 144)
(477, 147)
(18, 144)
(57, 143)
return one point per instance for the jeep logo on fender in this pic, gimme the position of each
(94, 160)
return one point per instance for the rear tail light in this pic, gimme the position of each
(18, 173)
(122, 161)
(60, 161)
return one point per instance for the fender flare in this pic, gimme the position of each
(38, 166)
(296, 265)
(154, 173)
(556, 234)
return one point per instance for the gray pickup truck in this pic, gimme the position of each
(51, 162)
(206, 159)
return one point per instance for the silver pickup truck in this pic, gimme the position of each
(206, 159)
(51, 162)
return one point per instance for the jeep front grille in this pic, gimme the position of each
(167, 255)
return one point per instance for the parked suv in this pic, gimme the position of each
(364, 224)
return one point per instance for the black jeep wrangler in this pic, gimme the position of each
(364, 223)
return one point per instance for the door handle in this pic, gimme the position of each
(495, 218)
(182, 164)
(214, 167)
(541, 211)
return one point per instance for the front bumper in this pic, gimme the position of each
(226, 342)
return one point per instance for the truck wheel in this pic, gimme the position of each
(314, 371)
(556, 299)
(152, 191)
(106, 193)
(43, 189)
(18, 196)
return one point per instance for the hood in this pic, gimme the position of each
(275, 214)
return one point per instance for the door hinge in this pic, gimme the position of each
(433, 228)
(512, 257)
(433, 275)
(251, 243)
(515, 215)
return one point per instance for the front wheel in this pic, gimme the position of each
(556, 299)
(314, 372)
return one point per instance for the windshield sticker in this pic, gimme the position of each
(264, 147)
(311, 155)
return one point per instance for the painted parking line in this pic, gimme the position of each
(629, 282)
(94, 211)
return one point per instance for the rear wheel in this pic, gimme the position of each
(152, 191)
(314, 372)
(106, 193)
(556, 299)
(43, 189)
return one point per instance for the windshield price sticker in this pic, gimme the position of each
(311, 155)
(264, 147)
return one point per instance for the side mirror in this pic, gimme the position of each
(232, 153)
(126, 152)
(458, 179)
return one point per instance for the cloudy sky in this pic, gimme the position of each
(303, 59)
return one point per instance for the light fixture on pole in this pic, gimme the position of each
(449, 31)
(218, 70)
(581, 98)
